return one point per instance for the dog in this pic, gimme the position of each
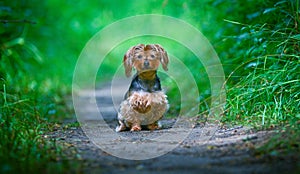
(144, 103)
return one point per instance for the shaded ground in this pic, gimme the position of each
(228, 150)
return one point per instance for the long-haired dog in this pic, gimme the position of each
(144, 103)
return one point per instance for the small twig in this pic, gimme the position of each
(4, 21)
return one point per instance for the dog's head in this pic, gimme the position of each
(145, 58)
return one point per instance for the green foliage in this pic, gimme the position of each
(23, 126)
(264, 88)
(27, 101)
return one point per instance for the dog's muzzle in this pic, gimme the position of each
(146, 63)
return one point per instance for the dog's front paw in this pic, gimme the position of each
(141, 104)
(136, 128)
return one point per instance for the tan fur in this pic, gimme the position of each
(134, 119)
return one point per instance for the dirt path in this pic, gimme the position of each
(229, 150)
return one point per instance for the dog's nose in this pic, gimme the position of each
(146, 63)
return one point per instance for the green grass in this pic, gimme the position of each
(268, 94)
(23, 125)
(263, 89)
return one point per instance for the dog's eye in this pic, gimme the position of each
(152, 56)
(139, 56)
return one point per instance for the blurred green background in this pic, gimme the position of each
(62, 29)
(40, 41)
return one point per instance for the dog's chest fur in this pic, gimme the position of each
(148, 94)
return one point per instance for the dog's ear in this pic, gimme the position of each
(164, 59)
(128, 62)
(128, 58)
